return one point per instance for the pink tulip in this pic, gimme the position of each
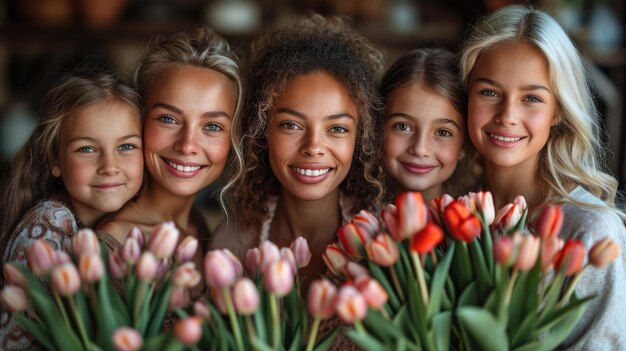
(355, 270)
(163, 240)
(137, 234)
(603, 252)
(251, 261)
(351, 305)
(520, 201)
(322, 299)
(188, 330)
(85, 242)
(550, 221)
(353, 239)
(389, 215)
(374, 294)
(367, 221)
(127, 339)
(570, 258)
(117, 266)
(147, 267)
(383, 250)
(65, 279)
(91, 267)
(412, 214)
(245, 297)
(40, 257)
(201, 309)
(186, 275)
(163, 266)
(550, 247)
(235, 262)
(287, 255)
(504, 250)
(507, 217)
(187, 249)
(269, 254)
(13, 275)
(301, 251)
(483, 202)
(179, 298)
(335, 259)
(278, 278)
(14, 298)
(131, 251)
(527, 253)
(61, 257)
(219, 270)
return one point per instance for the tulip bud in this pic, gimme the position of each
(461, 224)
(14, 298)
(353, 239)
(131, 251)
(179, 298)
(219, 270)
(383, 250)
(127, 339)
(65, 279)
(301, 251)
(287, 255)
(507, 217)
(14, 276)
(163, 266)
(366, 221)
(91, 267)
(186, 275)
(147, 267)
(442, 202)
(60, 257)
(355, 270)
(117, 266)
(426, 239)
(201, 309)
(85, 242)
(504, 250)
(483, 202)
(412, 214)
(351, 305)
(251, 261)
(188, 330)
(389, 215)
(372, 291)
(550, 221)
(550, 247)
(245, 297)
(527, 253)
(234, 261)
(335, 259)
(163, 240)
(40, 257)
(520, 201)
(570, 258)
(269, 254)
(137, 234)
(187, 249)
(278, 278)
(603, 252)
(322, 298)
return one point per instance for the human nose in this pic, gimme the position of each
(420, 145)
(313, 145)
(187, 142)
(508, 114)
(108, 164)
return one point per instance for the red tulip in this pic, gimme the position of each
(353, 239)
(461, 223)
(412, 214)
(603, 252)
(389, 215)
(441, 203)
(504, 250)
(570, 257)
(550, 247)
(426, 239)
(550, 221)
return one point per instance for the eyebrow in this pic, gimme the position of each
(176, 110)
(90, 139)
(302, 116)
(440, 120)
(524, 87)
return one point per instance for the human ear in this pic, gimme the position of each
(461, 154)
(56, 170)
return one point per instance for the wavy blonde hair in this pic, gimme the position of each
(574, 154)
(310, 44)
(200, 47)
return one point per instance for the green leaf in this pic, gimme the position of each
(365, 341)
(469, 296)
(379, 327)
(37, 330)
(83, 312)
(159, 308)
(441, 325)
(481, 272)
(107, 322)
(327, 340)
(261, 346)
(437, 283)
(483, 327)
(462, 266)
(486, 244)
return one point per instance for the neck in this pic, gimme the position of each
(505, 183)
(428, 194)
(164, 206)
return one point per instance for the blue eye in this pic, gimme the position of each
(488, 92)
(167, 119)
(127, 147)
(86, 149)
(532, 99)
(213, 127)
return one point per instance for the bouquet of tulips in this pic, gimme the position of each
(82, 305)
(263, 309)
(459, 276)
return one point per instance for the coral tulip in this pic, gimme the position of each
(91, 267)
(65, 279)
(412, 213)
(603, 252)
(550, 221)
(372, 291)
(188, 330)
(383, 250)
(426, 239)
(367, 221)
(460, 222)
(127, 339)
(570, 258)
(389, 215)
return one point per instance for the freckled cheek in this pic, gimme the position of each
(217, 150)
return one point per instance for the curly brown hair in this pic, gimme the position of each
(310, 44)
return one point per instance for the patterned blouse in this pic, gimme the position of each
(50, 220)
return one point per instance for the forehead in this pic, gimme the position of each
(317, 91)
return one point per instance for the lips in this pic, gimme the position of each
(504, 138)
(417, 168)
(310, 172)
(183, 168)
(108, 186)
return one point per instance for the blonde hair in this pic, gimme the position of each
(31, 177)
(201, 47)
(573, 154)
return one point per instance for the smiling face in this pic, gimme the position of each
(101, 167)
(511, 105)
(311, 137)
(423, 139)
(188, 115)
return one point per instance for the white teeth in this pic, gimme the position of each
(311, 172)
(183, 168)
(502, 138)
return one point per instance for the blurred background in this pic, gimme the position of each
(41, 38)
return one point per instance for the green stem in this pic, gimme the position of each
(233, 318)
(251, 330)
(509, 289)
(57, 298)
(570, 289)
(275, 322)
(313, 335)
(420, 277)
(79, 321)
(359, 327)
(396, 282)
